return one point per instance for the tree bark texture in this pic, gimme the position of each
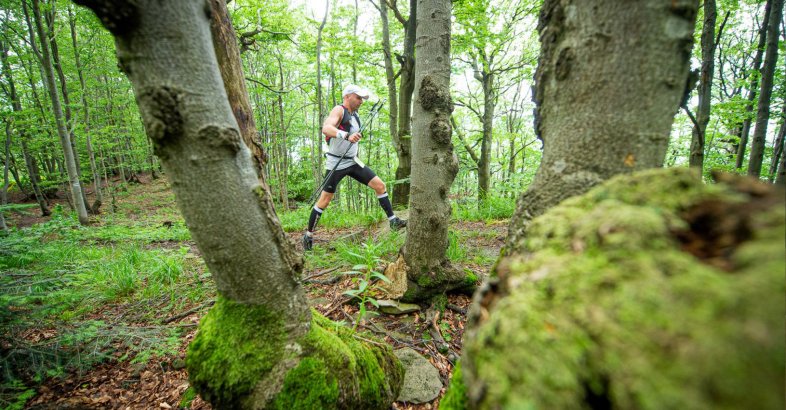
(777, 149)
(484, 165)
(401, 191)
(434, 163)
(705, 85)
(317, 167)
(390, 77)
(753, 90)
(65, 138)
(610, 78)
(228, 55)
(85, 107)
(767, 77)
(260, 340)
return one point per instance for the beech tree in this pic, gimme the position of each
(585, 145)
(62, 131)
(767, 76)
(434, 163)
(260, 345)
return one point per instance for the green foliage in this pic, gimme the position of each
(493, 208)
(365, 272)
(456, 396)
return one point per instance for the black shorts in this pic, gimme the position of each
(362, 175)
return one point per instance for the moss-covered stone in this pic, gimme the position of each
(243, 357)
(456, 396)
(650, 291)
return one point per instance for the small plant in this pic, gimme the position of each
(365, 275)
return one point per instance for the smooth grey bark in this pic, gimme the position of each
(753, 90)
(590, 63)
(777, 150)
(696, 158)
(489, 101)
(166, 50)
(86, 110)
(49, 18)
(434, 164)
(401, 190)
(767, 76)
(390, 77)
(65, 138)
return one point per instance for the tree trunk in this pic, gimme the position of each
(83, 99)
(317, 169)
(259, 346)
(228, 54)
(401, 191)
(391, 81)
(767, 76)
(65, 138)
(777, 150)
(49, 17)
(6, 166)
(755, 73)
(32, 167)
(434, 164)
(606, 131)
(705, 85)
(484, 171)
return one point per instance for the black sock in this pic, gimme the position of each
(384, 202)
(314, 218)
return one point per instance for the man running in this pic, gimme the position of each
(341, 130)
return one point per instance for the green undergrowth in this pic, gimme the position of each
(240, 346)
(334, 217)
(73, 296)
(491, 209)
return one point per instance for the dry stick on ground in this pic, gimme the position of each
(188, 312)
(456, 308)
(320, 273)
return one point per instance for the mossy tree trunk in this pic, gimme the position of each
(260, 346)
(621, 69)
(434, 164)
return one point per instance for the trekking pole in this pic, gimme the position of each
(372, 114)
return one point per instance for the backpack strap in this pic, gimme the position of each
(346, 121)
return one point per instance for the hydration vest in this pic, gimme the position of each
(346, 121)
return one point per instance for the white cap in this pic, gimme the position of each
(355, 89)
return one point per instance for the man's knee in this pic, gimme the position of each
(377, 185)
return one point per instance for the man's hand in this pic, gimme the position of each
(355, 137)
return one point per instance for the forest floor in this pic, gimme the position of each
(143, 335)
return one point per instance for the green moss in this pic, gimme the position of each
(608, 307)
(188, 396)
(331, 366)
(342, 369)
(471, 279)
(456, 396)
(236, 345)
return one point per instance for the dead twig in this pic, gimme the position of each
(188, 312)
(457, 309)
(320, 273)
